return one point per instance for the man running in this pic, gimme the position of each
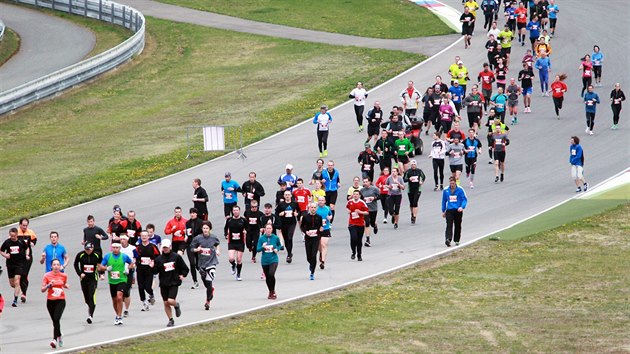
(404, 148)
(543, 64)
(357, 209)
(200, 199)
(229, 190)
(499, 142)
(526, 76)
(131, 227)
(145, 253)
(171, 270)
(415, 179)
(498, 102)
(254, 227)
(410, 98)
(468, 24)
(30, 239)
(454, 202)
(367, 159)
(193, 228)
(117, 265)
(456, 152)
(177, 228)
(54, 250)
(311, 225)
(384, 150)
(474, 104)
(252, 191)
(576, 159)
(235, 232)
(17, 253)
(206, 245)
(323, 120)
(359, 94)
(332, 182)
(472, 146)
(289, 178)
(287, 212)
(86, 264)
(94, 235)
(513, 91)
(374, 118)
(591, 100)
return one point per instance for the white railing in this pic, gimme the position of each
(1, 30)
(70, 76)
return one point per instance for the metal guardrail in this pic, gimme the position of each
(103, 10)
(1, 30)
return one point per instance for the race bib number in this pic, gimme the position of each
(589, 102)
(228, 195)
(498, 141)
(617, 100)
(114, 275)
(499, 105)
(354, 215)
(14, 249)
(436, 101)
(206, 251)
(311, 233)
(394, 186)
(145, 260)
(367, 167)
(57, 292)
(250, 195)
(401, 148)
(288, 213)
(558, 90)
(268, 248)
(452, 198)
(413, 179)
(88, 268)
(169, 266)
(471, 149)
(377, 115)
(456, 154)
(455, 98)
(236, 236)
(446, 116)
(130, 233)
(587, 73)
(474, 103)
(253, 221)
(573, 152)
(300, 199)
(323, 126)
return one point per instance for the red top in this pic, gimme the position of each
(557, 87)
(486, 79)
(380, 183)
(56, 292)
(587, 69)
(521, 15)
(302, 198)
(173, 226)
(356, 218)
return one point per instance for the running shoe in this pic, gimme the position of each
(471, 185)
(385, 221)
(14, 303)
(496, 179)
(395, 226)
(274, 295)
(207, 305)
(238, 278)
(436, 188)
(325, 153)
(321, 154)
(89, 320)
(490, 162)
(585, 186)
(456, 243)
(613, 127)
(447, 243)
(586, 130)
(23, 298)
(616, 127)
(441, 187)
(367, 244)
(152, 300)
(353, 256)
(502, 177)
(145, 306)
(118, 321)
(270, 296)
(53, 343)
(360, 128)
(413, 219)
(311, 277)
(233, 268)
(359, 259)
(170, 323)
(195, 285)
(321, 265)
(289, 260)
(253, 259)
(59, 342)
(578, 190)
(512, 121)
(178, 310)
(375, 229)
(125, 313)
(590, 132)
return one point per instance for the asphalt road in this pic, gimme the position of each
(48, 44)
(537, 177)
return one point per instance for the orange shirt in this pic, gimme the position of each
(28, 235)
(56, 292)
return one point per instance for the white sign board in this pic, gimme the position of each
(213, 138)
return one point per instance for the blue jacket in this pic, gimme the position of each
(534, 29)
(543, 64)
(454, 200)
(331, 181)
(591, 99)
(576, 155)
(290, 179)
(597, 58)
(269, 257)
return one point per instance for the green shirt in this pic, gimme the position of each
(117, 274)
(403, 146)
(506, 38)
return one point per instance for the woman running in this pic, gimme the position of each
(500, 73)
(287, 212)
(446, 115)
(395, 185)
(380, 183)
(587, 73)
(438, 152)
(597, 58)
(558, 88)
(269, 244)
(616, 97)
(54, 283)
(318, 191)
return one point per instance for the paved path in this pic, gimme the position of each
(423, 45)
(48, 44)
(537, 178)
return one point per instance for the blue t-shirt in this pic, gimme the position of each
(324, 212)
(552, 11)
(230, 196)
(543, 64)
(500, 100)
(591, 99)
(534, 29)
(54, 252)
(456, 93)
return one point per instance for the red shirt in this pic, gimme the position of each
(486, 79)
(587, 69)
(174, 225)
(56, 292)
(380, 183)
(356, 218)
(557, 87)
(521, 15)
(302, 198)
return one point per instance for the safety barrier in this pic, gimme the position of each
(103, 10)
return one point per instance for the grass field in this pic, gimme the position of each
(560, 291)
(365, 18)
(98, 139)
(9, 45)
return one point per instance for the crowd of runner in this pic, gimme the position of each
(127, 253)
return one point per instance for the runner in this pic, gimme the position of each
(53, 284)
(287, 212)
(454, 202)
(316, 176)
(254, 227)
(131, 227)
(486, 78)
(153, 237)
(359, 94)
(472, 147)
(94, 235)
(526, 76)
(302, 196)
(200, 199)
(30, 239)
(499, 142)
(543, 64)
(438, 152)
(193, 228)
(587, 73)
(17, 253)
(558, 88)
(410, 98)
(229, 191)
(494, 29)
(468, 25)
(493, 48)
(576, 159)
(114, 228)
(457, 93)
(439, 85)
(324, 212)
(533, 26)
(404, 148)
(370, 194)
(616, 97)
(269, 245)
(382, 186)
(367, 159)
(597, 58)
(474, 104)
(461, 74)
(374, 119)
(171, 270)
(528, 59)
(54, 250)
(500, 71)
(447, 114)
(145, 253)
(332, 182)
(288, 177)
(252, 190)
(117, 265)
(177, 228)
(356, 186)
(498, 102)
(357, 210)
(323, 120)
(311, 225)
(489, 8)
(427, 110)
(318, 191)
(384, 150)
(513, 91)
(129, 251)
(415, 179)
(510, 16)
(235, 232)
(206, 245)
(85, 264)
(521, 22)
(456, 152)
(553, 10)
(395, 185)
(591, 100)
(506, 37)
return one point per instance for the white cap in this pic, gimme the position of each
(460, 62)
(289, 167)
(166, 243)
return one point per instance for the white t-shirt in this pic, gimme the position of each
(359, 96)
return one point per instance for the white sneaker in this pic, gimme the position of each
(195, 285)
(587, 130)
(590, 132)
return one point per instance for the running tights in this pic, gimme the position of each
(394, 204)
(471, 166)
(356, 239)
(543, 74)
(488, 21)
(616, 109)
(312, 246)
(438, 166)
(586, 81)
(287, 233)
(557, 104)
(358, 111)
(453, 217)
(145, 283)
(207, 275)
(192, 259)
(88, 287)
(384, 204)
(322, 140)
(24, 278)
(270, 275)
(590, 120)
(55, 310)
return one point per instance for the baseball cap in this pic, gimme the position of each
(166, 243)
(228, 174)
(413, 162)
(117, 207)
(367, 145)
(323, 107)
(88, 246)
(460, 62)
(289, 167)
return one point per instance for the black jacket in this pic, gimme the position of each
(169, 266)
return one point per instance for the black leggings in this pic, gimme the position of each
(597, 71)
(394, 204)
(88, 287)
(358, 111)
(438, 166)
(192, 259)
(287, 234)
(55, 310)
(322, 140)
(590, 120)
(312, 246)
(24, 278)
(616, 109)
(488, 20)
(207, 276)
(356, 238)
(270, 275)
(252, 240)
(557, 104)
(385, 161)
(384, 204)
(586, 81)
(145, 283)
(471, 165)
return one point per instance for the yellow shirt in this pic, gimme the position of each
(317, 193)
(472, 6)
(460, 74)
